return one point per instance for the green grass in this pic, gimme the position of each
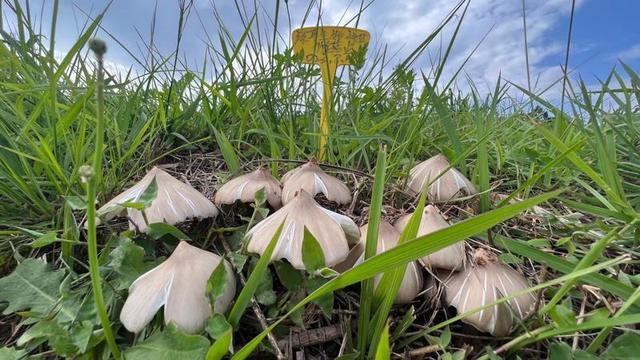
(254, 102)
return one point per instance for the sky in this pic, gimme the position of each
(604, 32)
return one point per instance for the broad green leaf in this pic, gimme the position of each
(324, 302)
(76, 202)
(445, 338)
(170, 344)
(127, 260)
(158, 230)
(312, 255)
(149, 194)
(289, 276)
(264, 293)
(562, 315)
(624, 347)
(217, 282)
(559, 351)
(81, 335)
(217, 326)
(34, 286)
(9, 353)
(140, 203)
(260, 197)
(44, 240)
(238, 260)
(55, 335)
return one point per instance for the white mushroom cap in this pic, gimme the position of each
(179, 284)
(330, 229)
(452, 257)
(175, 202)
(312, 179)
(483, 283)
(388, 238)
(244, 188)
(451, 185)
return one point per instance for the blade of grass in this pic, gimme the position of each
(403, 253)
(527, 251)
(595, 251)
(366, 292)
(584, 272)
(391, 280)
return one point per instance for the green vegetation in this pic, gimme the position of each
(572, 229)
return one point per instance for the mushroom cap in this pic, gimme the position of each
(452, 257)
(244, 188)
(483, 283)
(330, 229)
(174, 203)
(412, 281)
(179, 284)
(312, 179)
(449, 186)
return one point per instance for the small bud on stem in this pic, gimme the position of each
(98, 46)
(86, 173)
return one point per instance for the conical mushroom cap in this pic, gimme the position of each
(452, 257)
(329, 229)
(449, 186)
(485, 282)
(312, 179)
(175, 202)
(179, 284)
(388, 238)
(244, 188)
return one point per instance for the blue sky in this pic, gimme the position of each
(604, 31)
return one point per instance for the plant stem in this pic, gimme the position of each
(92, 241)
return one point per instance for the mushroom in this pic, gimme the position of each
(312, 179)
(452, 257)
(244, 188)
(388, 238)
(449, 186)
(174, 203)
(179, 284)
(486, 281)
(333, 231)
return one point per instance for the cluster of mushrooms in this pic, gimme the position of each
(179, 283)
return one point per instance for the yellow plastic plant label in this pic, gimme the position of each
(329, 47)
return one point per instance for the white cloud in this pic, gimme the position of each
(632, 53)
(403, 25)
(400, 25)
